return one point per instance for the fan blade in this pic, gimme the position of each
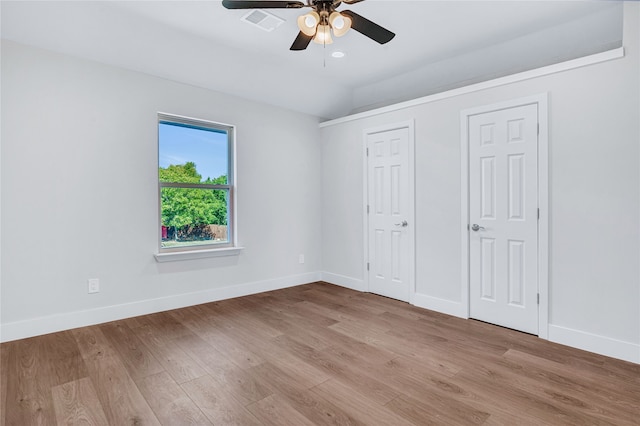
(351, 1)
(368, 28)
(301, 42)
(241, 4)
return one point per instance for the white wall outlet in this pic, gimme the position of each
(93, 285)
(301, 258)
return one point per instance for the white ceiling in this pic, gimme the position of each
(439, 45)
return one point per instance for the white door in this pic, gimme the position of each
(389, 206)
(503, 216)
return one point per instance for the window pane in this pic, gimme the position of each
(191, 154)
(194, 216)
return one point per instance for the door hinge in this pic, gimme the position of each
(538, 129)
(367, 152)
(367, 266)
(538, 214)
(538, 298)
(367, 208)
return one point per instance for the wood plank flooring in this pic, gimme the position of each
(316, 354)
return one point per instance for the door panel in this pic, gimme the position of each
(503, 206)
(488, 188)
(487, 265)
(388, 197)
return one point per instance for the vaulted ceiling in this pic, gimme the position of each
(439, 45)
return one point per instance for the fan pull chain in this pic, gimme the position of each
(324, 55)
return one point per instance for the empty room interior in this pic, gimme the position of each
(320, 212)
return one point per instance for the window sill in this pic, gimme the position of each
(197, 254)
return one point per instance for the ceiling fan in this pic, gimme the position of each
(321, 22)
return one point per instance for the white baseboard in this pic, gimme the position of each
(420, 300)
(37, 326)
(343, 281)
(443, 306)
(66, 321)
(594, 343)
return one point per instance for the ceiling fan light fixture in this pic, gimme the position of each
(320, 24)
(323, 35)
(339, 23)
(308, 23)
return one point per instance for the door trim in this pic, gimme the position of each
(411, 216)
(543, 202)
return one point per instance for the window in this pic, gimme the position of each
(196, 184)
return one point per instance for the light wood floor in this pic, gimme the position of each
(313, 354)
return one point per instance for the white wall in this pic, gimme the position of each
(594, 115)
(79, 194)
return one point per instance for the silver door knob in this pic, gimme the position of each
(403, 224)
(476, 227)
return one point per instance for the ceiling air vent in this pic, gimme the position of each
(262, 20)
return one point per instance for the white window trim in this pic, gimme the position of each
(207, 251)
(197, 254)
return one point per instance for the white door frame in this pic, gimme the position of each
(411, 212)
(543, 201)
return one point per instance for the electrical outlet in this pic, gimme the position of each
(93, 285)
(301, 258)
